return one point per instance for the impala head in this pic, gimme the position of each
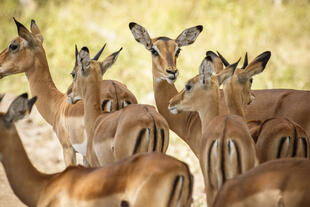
(20, 54)
(164, 50)
(17, 110)
(239, 84)
(88, 71)
(201, 90)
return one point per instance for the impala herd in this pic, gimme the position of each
(252, 145)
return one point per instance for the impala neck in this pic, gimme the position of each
(26, 182)
(92, 106)
(209, 110)
(179, 123)
(233, 103)
(42, 86)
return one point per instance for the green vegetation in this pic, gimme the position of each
(231, 27)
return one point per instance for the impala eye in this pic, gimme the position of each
(73, 75)
(154, 52)
(13, 47)
(251, 80)
(177, 52)
(188, 87)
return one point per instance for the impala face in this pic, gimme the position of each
(241, 81)
(20, 54)
(165, 50)
(17, 110)
(201, 89)
(88, 71)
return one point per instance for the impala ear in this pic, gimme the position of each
(19, 108)
(188, 36)
(255, 67)
(141, 35)
(97, 56)
(217, 63)
(205, 71)
(109, 61)
(224, 75)
(84, 60)
(35, 30)
(24, 33)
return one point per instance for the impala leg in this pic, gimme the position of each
(85, 162)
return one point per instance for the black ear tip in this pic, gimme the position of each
(18, 24)
(120, 49)
(209, 58)
(85, 49)
(33, 22)
(24, 95)
(199, 27)
(131, 25)
(34, 99)
(210, 53)
(264, 58)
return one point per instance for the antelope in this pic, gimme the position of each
(146, 179)
(279, 138)
(187, 125)
(116, 135)
(276, 183)
(115, 95)
(275, 137)
(26, 54)
(165, 52)
(227, 148)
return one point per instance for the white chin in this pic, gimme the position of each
(174, 111)
(170, 81)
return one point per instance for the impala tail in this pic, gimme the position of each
(182, 189)
(293, 147)
(153, 138)
(223, 162)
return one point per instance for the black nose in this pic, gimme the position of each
(171, 72)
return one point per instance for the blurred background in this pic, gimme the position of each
(231, 27)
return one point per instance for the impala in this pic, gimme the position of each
(26, 54)
(114, 96)
(114, 136)
(187, 125)
(227, 148)
(279, 138)
(277, 183)
(147, 179)
(275, 137)
(165, 52)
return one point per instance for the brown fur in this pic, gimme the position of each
(114, 136)
(226, 147)
(144, 179)
(66, 119)
(270, 184)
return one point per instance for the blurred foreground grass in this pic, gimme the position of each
(231, 27)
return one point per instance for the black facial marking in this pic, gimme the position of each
(178, 52)
(164, 38)
(154, 52)
(124, 203)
